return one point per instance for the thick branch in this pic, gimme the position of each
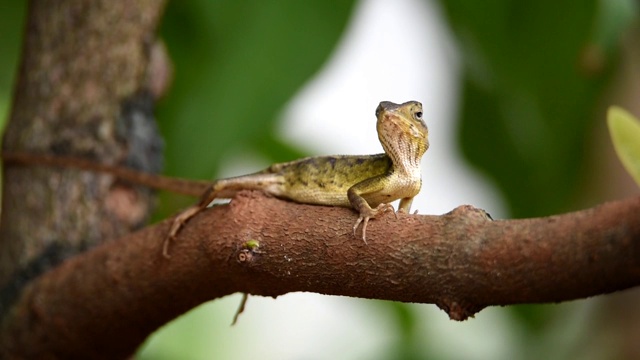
(461, 261)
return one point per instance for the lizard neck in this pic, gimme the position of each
(406, 159)
(404, 146)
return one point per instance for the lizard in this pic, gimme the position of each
(366, 183)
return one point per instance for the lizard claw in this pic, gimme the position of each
(368, 214)
(364, 227)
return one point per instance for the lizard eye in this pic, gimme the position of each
(418, 115)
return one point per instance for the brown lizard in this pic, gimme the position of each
(367, 183)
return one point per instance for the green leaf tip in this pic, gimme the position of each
(625, 134)
(252, 244)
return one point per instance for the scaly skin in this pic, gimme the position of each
(367, 183)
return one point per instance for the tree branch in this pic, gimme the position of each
(460, 261)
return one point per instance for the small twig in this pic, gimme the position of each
(240, 310)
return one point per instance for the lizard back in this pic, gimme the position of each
(324, 180)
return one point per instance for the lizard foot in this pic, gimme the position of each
(368, 214)
(177, 224)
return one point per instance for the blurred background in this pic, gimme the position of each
(514, 94)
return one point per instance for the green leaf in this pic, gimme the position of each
(625, 133)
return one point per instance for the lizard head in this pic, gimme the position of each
(402, 132)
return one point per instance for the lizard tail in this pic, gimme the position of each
(177, 185)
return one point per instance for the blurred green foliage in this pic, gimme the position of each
(12, 15)
(533, 71)
(237, 64)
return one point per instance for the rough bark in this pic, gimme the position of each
(461, 261)
(83, 89)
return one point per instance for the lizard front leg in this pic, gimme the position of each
(405, 205)
(360, 204)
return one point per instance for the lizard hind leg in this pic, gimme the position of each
(186, 215)
(177, 224)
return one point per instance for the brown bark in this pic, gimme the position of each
(83, 89)
(460, 261)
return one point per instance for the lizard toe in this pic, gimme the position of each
(355, 226)
(364, 220)
(364, 230)
(386, 207)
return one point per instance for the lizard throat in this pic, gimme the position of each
(406, 160)
(405, 151)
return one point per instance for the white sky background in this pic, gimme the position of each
(397, 51)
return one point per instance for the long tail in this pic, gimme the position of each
(177, 185)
